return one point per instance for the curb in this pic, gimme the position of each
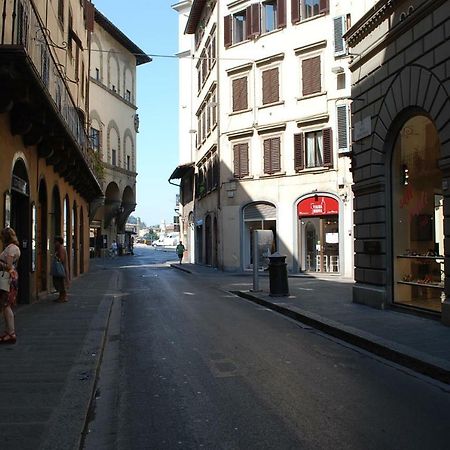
(397, 353)
(178, 266)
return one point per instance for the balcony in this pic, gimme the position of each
(33, 91)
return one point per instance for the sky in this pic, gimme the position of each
(153, 26)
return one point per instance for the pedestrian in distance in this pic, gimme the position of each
(61, 281)
(8, 288)
(180, 251)
(114, 248)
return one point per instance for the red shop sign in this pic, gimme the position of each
(317, 206)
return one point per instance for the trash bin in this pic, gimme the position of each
(278, 279)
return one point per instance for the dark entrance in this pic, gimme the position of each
(42, 236)
(20, 222)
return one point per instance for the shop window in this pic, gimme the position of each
(418, 218)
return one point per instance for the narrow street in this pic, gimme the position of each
(190, 366)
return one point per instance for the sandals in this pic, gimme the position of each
(8, 338)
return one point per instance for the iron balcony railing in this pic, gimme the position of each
(22, 27)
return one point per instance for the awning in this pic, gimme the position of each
(181, 171)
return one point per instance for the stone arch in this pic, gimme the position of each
(113, 142)
(113, 71)
(128, 81)
(96, 122)
(128, 150)
(96, 57)
(413, 88)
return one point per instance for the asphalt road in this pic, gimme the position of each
(188, 366)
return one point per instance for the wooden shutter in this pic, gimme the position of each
(267, 156)
(255, 22)
(311, 77)
(327, 139)
(240, 94)
(299, 152)
(342, 128)
(227, 31)
(324, 6)
(295, 11)
(270, 81)
(281, 13)
(248, 23)
(275, 155)
(236, 150)
(339, 30)
(243, 160)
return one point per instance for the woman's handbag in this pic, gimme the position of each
(4, 280)
(57, 269)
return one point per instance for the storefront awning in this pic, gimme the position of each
(181, 171)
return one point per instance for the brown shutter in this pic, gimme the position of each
(243, 160)
(267, 162)
(266, 87)
(275, 155)
(270, 86)
(248, 22)
(227, 34)
(240, 94)
(299, 160)
(255, 19)
(327, 138)
(281, 13)
(89, 14)
(324, 6)
(236, 164)
(311, 75)
(295, 11)
(275, 85)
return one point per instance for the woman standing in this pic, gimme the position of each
(8, 264)
(61, 283)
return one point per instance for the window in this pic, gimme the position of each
(270, 86)
(95, 139)
(114, 157)
(340, 81)
(113, 88)
(270, 20)
(128, 162)
(240, 93)
(70, 32)
(239, 27)
(240, 154)
(128, 95)
(313, 149)
(305, 9)
(311, 76)
(97, 74)
(272, 155)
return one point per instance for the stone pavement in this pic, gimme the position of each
(47, 379)
(420, 343)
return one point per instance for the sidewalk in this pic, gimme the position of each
(47, 378)
(419, 343)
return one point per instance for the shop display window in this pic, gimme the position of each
(418, 236)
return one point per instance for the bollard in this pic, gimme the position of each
(278, 279)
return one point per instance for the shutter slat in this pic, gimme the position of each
(266, 87)
(311, 77)
(299, 159)
(327, 147)
(236, 164)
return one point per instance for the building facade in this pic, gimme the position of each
(401, 155)
(48, 178)
(114, 124)
(270, 109)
